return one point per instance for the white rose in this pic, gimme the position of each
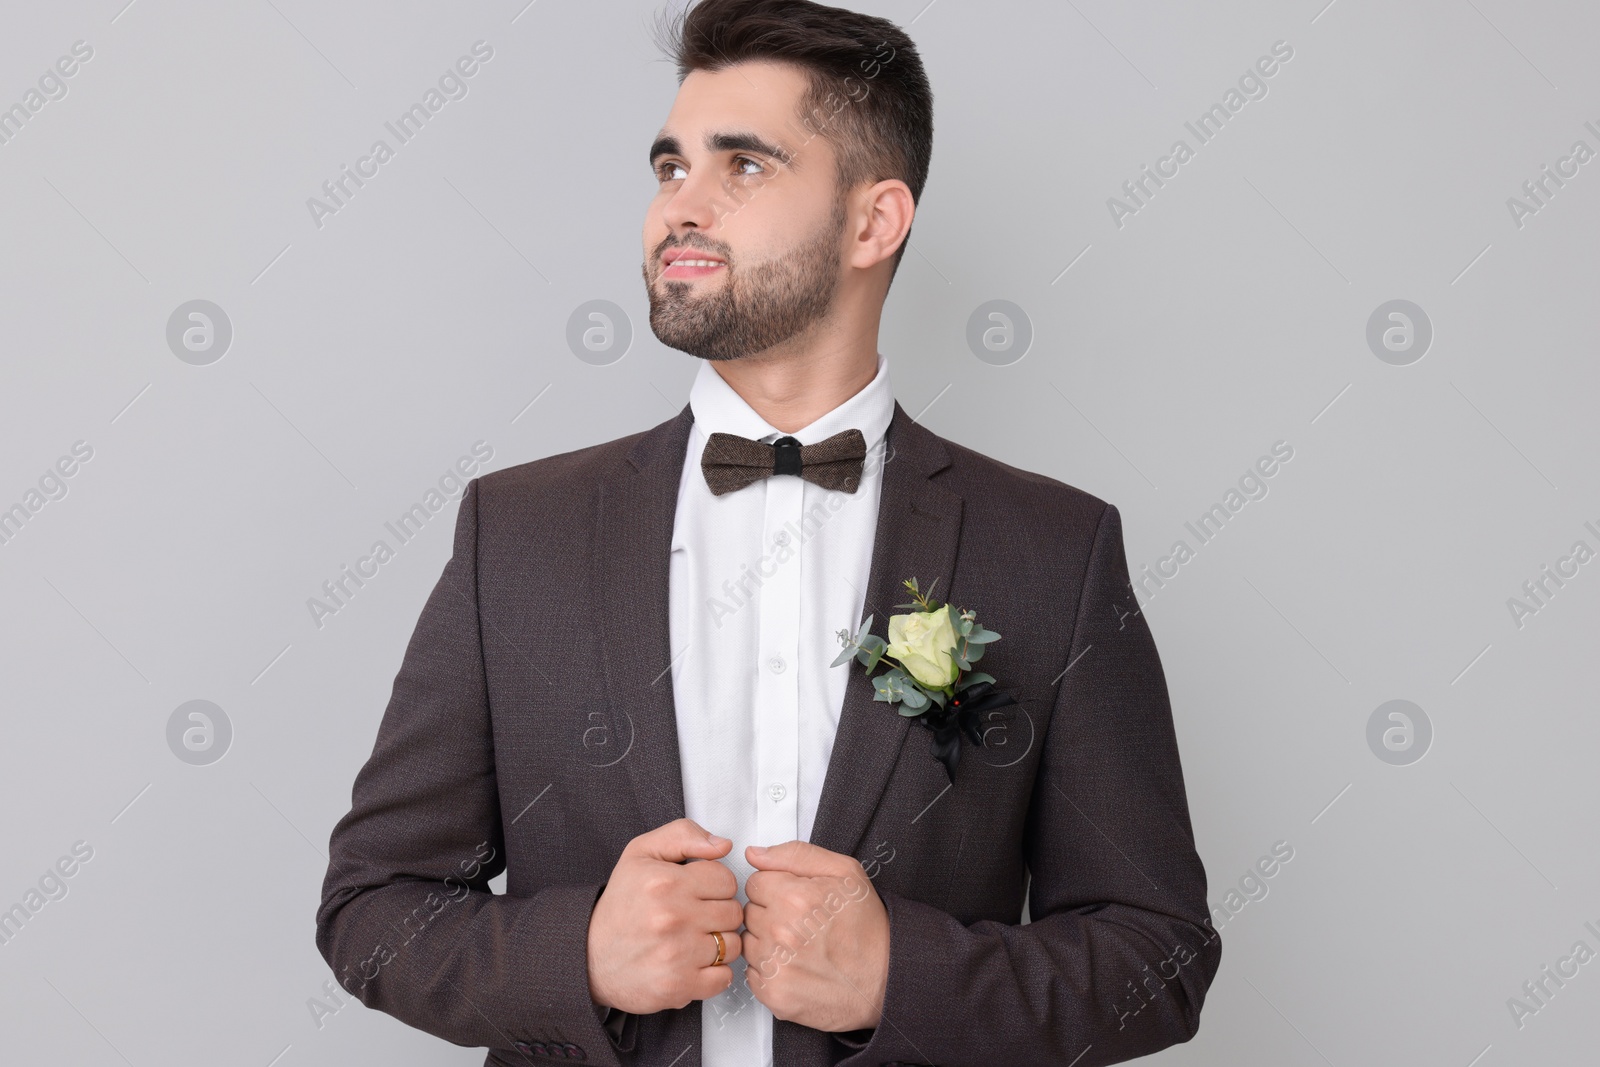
(921, 643)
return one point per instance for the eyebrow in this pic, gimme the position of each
(726, 141)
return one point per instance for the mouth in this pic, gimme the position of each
(683, 263)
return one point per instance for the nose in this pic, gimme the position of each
(694, 204)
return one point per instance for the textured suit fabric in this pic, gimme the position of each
(531, 730)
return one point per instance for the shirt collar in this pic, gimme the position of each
(717, 408)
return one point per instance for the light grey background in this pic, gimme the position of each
(1168, 354)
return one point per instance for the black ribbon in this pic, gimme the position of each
(961, 716)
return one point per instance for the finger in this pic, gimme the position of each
(721, 915)
(678, 841)
(709, 880)
(757, 952)
(757, 920)
(750, 945)
(764, 887)
(708, 978)
(764, 959)
(798, 857)
(733, 946)
(707, 982)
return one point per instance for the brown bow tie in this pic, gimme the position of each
(732, 462)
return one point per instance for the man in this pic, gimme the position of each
(621, 686)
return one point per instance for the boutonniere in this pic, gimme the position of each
(932, 650)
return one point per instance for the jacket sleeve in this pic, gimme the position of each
(1120, 951)
(407, 920)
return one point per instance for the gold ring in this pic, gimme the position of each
(722, 947)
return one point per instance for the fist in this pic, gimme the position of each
(650, 944)
(816, 937)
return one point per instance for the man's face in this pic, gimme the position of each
(741, 185)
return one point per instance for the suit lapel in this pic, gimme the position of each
(633, 551)
(918, 530)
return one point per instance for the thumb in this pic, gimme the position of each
(680, 840)
(796, 857)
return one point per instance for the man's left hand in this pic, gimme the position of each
(816, 937)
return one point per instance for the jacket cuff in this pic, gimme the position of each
(560, 949)
(854, 1040)
(915, 965)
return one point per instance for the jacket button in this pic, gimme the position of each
(574, 1052)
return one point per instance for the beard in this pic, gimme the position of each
(757, 307)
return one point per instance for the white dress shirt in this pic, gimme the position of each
(761, 581)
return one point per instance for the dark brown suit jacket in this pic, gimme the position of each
(531, 730)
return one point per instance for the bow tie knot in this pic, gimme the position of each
(731, 462)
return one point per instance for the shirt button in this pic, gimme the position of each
(776, 791)
(782, 538)
(775, 664)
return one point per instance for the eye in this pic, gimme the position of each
(664, 169)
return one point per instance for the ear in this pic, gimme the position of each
(885, 213)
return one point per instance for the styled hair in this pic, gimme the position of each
(867, 93)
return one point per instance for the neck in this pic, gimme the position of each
(791, 390)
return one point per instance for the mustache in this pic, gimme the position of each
(661, 249)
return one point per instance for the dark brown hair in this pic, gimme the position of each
(868, 94)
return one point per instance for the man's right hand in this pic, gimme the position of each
(650, 944)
